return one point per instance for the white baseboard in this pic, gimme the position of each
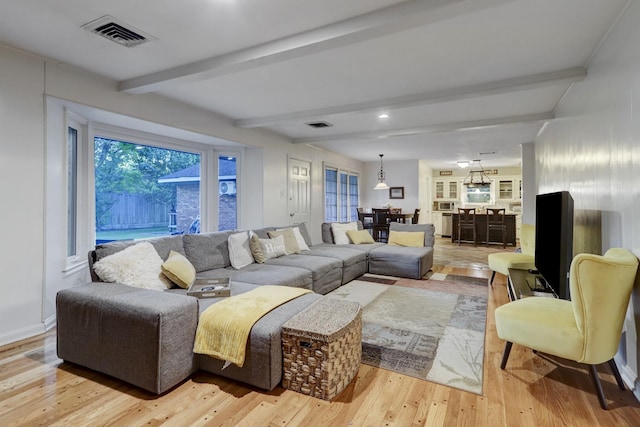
(630, 379)
(21, 334)
(50, 323)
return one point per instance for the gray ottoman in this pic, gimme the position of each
(401, 261)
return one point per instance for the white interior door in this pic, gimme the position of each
(299, 191)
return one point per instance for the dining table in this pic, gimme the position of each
(394, 217)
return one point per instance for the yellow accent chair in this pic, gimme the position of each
(503, 261)
(586, 329)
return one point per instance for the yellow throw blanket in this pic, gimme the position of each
(223, 329)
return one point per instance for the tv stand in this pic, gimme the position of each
(523, 284)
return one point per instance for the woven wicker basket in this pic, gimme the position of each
(322, 348)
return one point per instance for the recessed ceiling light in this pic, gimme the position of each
(463, 164)
(383, 116)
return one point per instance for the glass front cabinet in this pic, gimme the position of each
(509, 189)
(447, 189)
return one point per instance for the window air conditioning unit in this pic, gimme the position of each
(227, 187)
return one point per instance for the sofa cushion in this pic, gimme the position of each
(239, 250)
(360, 237)
(266, 274)
(304, 232)
(327, 235)
(163, 245)
(208, 250)
(290, 242)
(139, 266)
(406, 238)
(179, 270)
(339, 231)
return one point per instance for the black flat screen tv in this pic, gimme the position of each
(554, 239)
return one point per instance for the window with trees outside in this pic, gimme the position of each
(341, 195)
(144, 191)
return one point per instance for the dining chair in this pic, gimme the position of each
(381, 218)
(366, 220)
(586, 329)
(467, 221)
(495, 222)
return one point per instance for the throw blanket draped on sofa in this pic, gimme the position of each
(223, 329)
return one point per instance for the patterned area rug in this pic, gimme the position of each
(429, 329)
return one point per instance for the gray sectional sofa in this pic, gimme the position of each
(146, 337)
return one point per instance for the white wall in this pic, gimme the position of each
(399, 173)
(592, 149)
(22, 153)
(25, 83)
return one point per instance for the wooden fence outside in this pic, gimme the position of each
(134, 211)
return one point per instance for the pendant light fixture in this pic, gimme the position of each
(477, 176)
(381, 185)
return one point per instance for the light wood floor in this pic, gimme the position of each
(37, 388)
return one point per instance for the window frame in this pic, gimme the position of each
(208, 166)
(341, 205)
(80, 229)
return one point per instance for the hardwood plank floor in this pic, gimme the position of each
(37, 388)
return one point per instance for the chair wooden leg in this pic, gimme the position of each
(505, 355)
(616, 373)
(493, 274)
(596, 382)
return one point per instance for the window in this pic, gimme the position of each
(227, 194)
(143, 190)
(72, 191)
(341, 196)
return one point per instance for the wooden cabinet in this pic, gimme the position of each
(437, 222)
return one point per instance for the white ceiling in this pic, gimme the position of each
(457, 77)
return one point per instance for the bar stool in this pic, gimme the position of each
(467, 221)
(495, 221)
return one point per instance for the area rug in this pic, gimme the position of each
(430, 329)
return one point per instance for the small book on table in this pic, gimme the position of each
(209, 287)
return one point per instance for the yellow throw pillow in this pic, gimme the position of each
(179, 270)
(360, 237)
(406, 238)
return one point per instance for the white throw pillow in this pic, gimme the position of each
(139, 266)
(340, 232)
(239, 250)
(301, 242)
(273, 248)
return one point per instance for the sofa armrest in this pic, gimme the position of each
(140, 336)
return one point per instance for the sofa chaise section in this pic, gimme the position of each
(140, 336)
(402, 261)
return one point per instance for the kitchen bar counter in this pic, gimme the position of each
(481, 230)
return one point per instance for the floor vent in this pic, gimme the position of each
(117, 31)
(319, 125)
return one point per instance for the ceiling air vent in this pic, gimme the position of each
(117, 31)
(319, 125)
